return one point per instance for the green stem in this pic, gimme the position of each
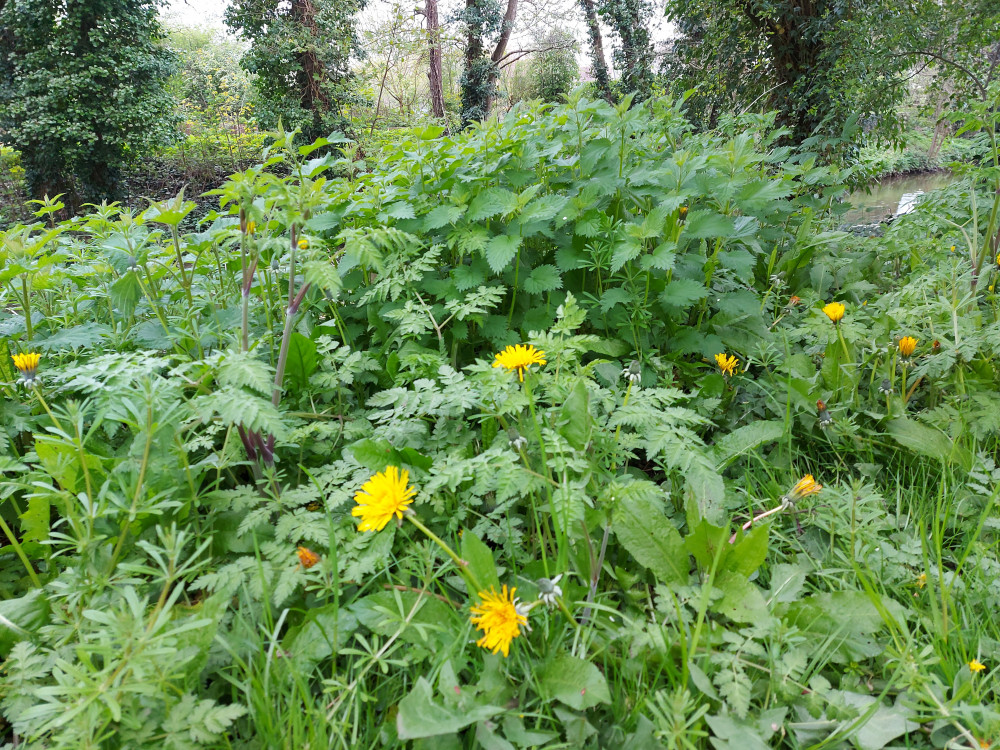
(20, 553)
(26, 306)
(463, 566)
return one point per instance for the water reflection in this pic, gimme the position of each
(882, 198)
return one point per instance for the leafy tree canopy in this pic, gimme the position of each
(300, 52)
(818, 62)
(82, 90)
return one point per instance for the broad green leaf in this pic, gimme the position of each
(401, 210)
(927, 441)
(575, 422)
(35, 520)
(707, 224)
(491, 202)
(500, 251)
(744, 439)
(324, 631)
(680, 294)
(741, 600)
(573, 681)
(419, 716)
(125, 293)
(20, 619)
(480, 562)
(302, 360)
(545, 278)
(442, 216)
(648, 535)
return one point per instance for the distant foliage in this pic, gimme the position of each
(82, 91)
(553, 71)
(633, 48)
(300, 52)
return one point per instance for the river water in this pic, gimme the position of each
(881, 199)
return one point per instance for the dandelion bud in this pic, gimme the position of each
(886, 387)
(907, 345)
(682, 214)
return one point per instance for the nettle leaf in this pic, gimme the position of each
(442, 216)
(500, 251)
(663, 257)
(467, 277)
(702, 224)
(544, 278)
(624, 252)
(651, 225)
(126, 292)
(401, 210)
(680, 294)
(543, 209)
(491, 202)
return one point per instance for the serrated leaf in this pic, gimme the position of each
(491, 202)
(500, 251)
(680, 294)
(707, 224)
(401, 210)
(543, 279)
(125, 293)
(322, 274)
(543, 209)
(442, 216)
(625, 251)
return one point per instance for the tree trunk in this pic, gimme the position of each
(600, 65)
(434, 76)
(310, 75)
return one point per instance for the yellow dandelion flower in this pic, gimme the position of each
(307, 557)
(976, 667)
(303, 244)
(251, 227)
(519, 358)
(385, 495)
(952, 248)
(907, 345)
(727, 363)
(499, 619)
(834, 311)
(922, 580)
(804, 488)
(27, 365)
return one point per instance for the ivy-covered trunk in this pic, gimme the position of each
(597, 60)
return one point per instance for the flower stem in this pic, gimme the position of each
(463, 566)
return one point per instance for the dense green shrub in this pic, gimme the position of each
(76, 130)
